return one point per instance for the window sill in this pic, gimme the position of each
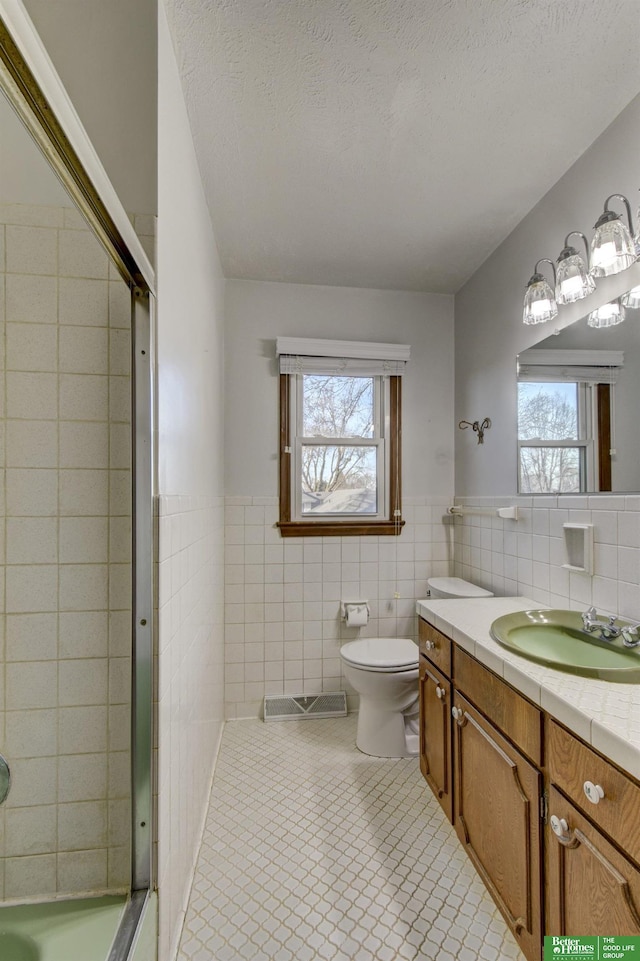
(340, 528)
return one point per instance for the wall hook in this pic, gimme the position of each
(477, 426)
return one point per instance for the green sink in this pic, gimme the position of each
(557, 639)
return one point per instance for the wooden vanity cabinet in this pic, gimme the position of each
(435, 718)
(496, 815)
(510, 712)
(572, 765)
(435, 713)
(574, 860)
(482, 770)
(593, 840)
(436, 647)
(591, 887)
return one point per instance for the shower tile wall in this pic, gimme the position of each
(282, 596)
(65, 444)
(526, 556)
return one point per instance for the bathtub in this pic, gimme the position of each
(81, 930)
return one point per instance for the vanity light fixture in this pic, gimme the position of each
(631, 299)
(613, 248)
(608, 315)
(573, 280)
(539, 301)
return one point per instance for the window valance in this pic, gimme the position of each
(306, 355)
(585, 366)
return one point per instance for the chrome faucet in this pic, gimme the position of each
(608, 629)
(630, 633)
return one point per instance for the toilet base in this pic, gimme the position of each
(384, 734)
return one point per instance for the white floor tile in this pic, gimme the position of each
(314, 851)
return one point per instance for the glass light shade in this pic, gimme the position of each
(607, 316)
(612, 249)
(573, 281)
(631, 299)
(539, 302)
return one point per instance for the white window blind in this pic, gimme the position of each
(300, 355)
(584, 366)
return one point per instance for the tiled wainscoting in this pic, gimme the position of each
(282, 596)
(190, 690)
(525, 556)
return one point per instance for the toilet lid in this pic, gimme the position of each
(456, 587)
(381, 653)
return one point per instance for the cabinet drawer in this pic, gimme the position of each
(435, 646)
(572, 764)
(520, 720)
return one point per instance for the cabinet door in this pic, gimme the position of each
(497, 818)
(592, 888)
(435, 733)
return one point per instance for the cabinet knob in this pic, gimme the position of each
(559, 826)
(593, 792)
(457, 713)
(440, 692)
(430, 645)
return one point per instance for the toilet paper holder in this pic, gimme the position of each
(350, 610)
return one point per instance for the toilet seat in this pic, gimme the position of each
(382, 654)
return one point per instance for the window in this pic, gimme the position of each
(563, 437)
(552, 437)
(339, 443)
(565, 404)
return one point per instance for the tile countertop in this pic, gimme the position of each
(603, 713)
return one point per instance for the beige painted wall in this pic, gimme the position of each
(258, 312)
(106, 56)
(190, 506)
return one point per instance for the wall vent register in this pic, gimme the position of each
(283, 708)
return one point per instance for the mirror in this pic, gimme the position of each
(578, 410)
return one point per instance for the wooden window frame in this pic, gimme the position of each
(391, 526)
(603, 407)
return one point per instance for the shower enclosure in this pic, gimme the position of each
(76, 544)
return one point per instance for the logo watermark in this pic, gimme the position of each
(591, 948)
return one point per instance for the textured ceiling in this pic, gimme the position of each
(392, 143)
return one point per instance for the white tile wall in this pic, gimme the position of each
(282, 596)
(189, 687)
(64, 547)
(525, 556)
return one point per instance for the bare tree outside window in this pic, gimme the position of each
(548, 413)
(338, 477)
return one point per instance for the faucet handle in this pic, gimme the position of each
(589, 615)
(630, 636)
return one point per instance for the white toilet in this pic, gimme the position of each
(384, 672)
(442, 587)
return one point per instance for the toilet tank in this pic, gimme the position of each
(455, 587)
